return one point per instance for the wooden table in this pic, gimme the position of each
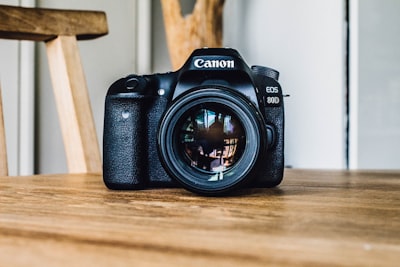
(314, 218)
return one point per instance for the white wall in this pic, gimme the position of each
(375, 84)
(17, 82)
(9, 78)
(305, 41)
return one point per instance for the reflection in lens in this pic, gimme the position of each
(212, 139)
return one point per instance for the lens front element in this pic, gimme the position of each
(211, 139)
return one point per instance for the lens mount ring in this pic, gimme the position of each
(175, 161)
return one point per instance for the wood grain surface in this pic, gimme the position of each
(201, 28)
(314, 218)
(41, 24)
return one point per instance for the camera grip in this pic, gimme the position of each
(273, 165)
(271, 170)
(125, 143)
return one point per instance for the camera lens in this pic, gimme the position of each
(210, 139)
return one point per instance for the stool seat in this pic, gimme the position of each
(42, 24)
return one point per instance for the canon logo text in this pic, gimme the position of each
(222, 64)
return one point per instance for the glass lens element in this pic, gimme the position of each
(211, 138)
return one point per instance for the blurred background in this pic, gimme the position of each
(338, 59)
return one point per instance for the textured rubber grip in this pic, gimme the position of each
(124, 144)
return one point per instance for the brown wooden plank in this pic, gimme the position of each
(73, 104)
(40, 24)
(314, 218)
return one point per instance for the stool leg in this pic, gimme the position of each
(3, 147)
(73, 104)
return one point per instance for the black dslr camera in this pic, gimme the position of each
(213, 126)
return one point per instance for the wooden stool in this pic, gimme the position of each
(60, 30)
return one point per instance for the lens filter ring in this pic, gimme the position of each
(210, 139)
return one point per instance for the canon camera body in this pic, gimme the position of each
(213, 126)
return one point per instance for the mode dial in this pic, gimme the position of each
(261, 70)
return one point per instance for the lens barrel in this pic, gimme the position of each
(210, 139)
